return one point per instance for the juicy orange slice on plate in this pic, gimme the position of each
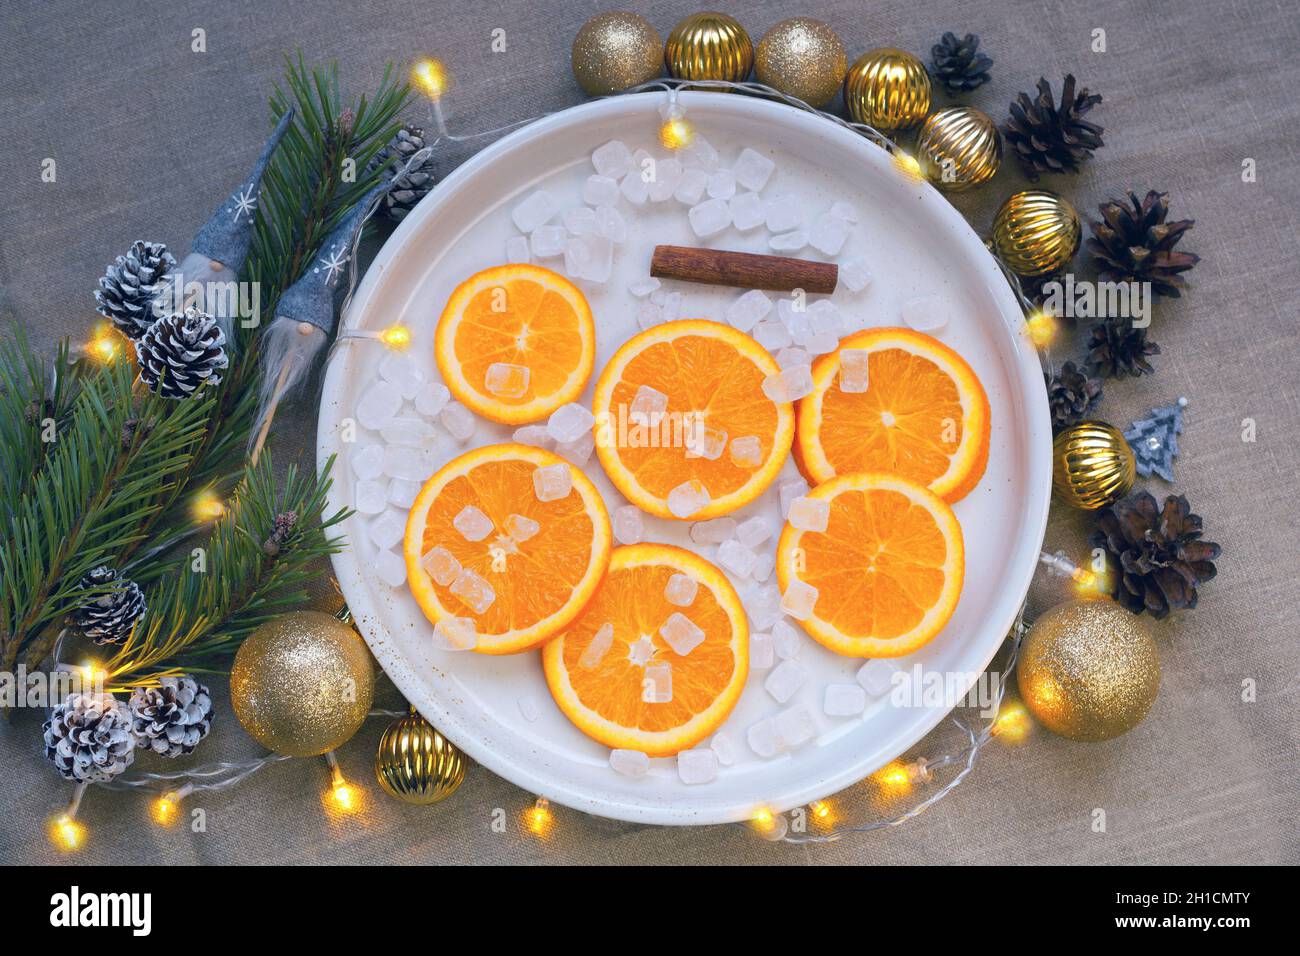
(884, 576)
(923, 414)
(516, 342)
(614, 671)
(482, 546)
(684, 428)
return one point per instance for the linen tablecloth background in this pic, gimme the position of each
(148, 137)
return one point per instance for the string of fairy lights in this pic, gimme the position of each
(1005, 720)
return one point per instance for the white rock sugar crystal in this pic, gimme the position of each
(877, 676)
(705, 441)
(535, 435)
(600, 644)
(747, 211)
(783, 213)
(643, 287)
(725, 749)
(634, 189)
(367, 461)
(844, 700)
(670, 307)
(610, 224)
(763, 738)
(371, 496)
(761, 652)
(640, 651)
(785, 640)
(681, 633)
(629, 526)
(657, 683)
(763, 605)
(388, 529)
(390, 568)
(828, 234)
(789, 384)
(648, 315)
(668, 174)
(697, 766)
(753, 169)
(746, 451)
(925, 314)
(853, 370)
(754, 531)
(688, 498)
(521, 527)
(547, 242)
(764, 565)
(713, 531)
(552, 482)
(379, 405)
(472, 523)
(691, 186)
(789, 491)
(411, 464)
(455, 634)
(709, 218)
(794, 355)
(581, 221)
(799, 600)
(474, 590)
(809, 514)
(794, 727)
(517, 249)
(432, 399)
(600, 190)
(403, 493)
(528, 709)
(736, 558)
(506, 380)
(589, 257)
(612, 160)
(579, 450)
(407, 430)
(785, 680)
(791, 241)
(441, 565)
(772, 335)
(826, 317)
(722, 184)
(819, 343)
(854, 275)
(537, 209)
(700, 153)
(748, 309)
(569, 422)
(681, 590)
(629, 763)
(458, 420)
(402, 371)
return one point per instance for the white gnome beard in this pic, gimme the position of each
(287, 352)
(211, 287)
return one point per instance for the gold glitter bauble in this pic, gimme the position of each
(616, 50)
(417, 764)
(959, 148)
(888, 89)
(1092, 465)
(1089, 670)
(1036, 232)
(709, 46)
(302, 683)
(802, 57)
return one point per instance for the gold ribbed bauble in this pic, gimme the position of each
(709, 46)
(616, 50)
(417, 764)
(888, 89)
(302, 683)
(801, 57)
(1092, 465)
(1036, 232)
(1089, 670)
(959, 148)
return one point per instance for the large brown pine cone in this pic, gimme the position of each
(1047, 138)
(1135, 243)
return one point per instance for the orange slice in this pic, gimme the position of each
(712, 377)
(511, 318)
(924, 415)
(887, 570)
(541, 571)
(615, 696)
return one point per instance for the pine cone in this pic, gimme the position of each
(128, 289)
(958, 65)
(181, 352)
(1161, 559)
(88, 738)
(1071, 395)
(1051, 139)
(1117, 349)
(1134, 243)
(173, 717)
(109, 617)
(409, 188)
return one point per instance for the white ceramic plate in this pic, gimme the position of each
(498, 709)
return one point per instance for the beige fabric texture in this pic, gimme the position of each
(149, 135)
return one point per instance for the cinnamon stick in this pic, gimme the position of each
(744, 270)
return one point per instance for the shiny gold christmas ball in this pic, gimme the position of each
(1089, 670)
(802, 57)
(709, 46)
(959, 148)
(1036, 232)
(417, 764)
(616, 50)
(302, 683)
(888, 89)
(1092, 465)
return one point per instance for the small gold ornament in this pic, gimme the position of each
(1036, 232)
(959, 148)
(1092, 465)
(802, 57)
(888, 89)
(302, 683)
(417, 764)
(709, 46)
(616, 50)
(1089, 670)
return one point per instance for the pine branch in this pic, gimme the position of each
(35, 401)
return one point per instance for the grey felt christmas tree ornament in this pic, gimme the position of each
(1154, 440)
